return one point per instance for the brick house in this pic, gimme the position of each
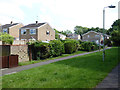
(12, 29)
(37, 31)
(93, 36)
(74, 36)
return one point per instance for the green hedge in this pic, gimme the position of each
(88, 46)
(56, 48)
(71, 46)
(43, 50)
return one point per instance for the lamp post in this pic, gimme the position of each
(104, 29)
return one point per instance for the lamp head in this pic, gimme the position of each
(111, 6)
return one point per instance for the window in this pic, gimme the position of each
(48, 32)
(88, 36)
(32, 31)
(23, 32)
(97, 36)
(5, 31)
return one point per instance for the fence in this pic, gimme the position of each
(21, 50)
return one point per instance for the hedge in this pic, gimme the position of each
(88, 46)
(43, 50)
(71, 46)
(56, 48)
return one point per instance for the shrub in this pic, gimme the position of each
(56, 48)
(108, 42)
(43, 50)
(6, 38)
(88, 46)
(71, 46)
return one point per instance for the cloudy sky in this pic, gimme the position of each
(60, 14)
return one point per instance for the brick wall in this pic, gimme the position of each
(21, 50)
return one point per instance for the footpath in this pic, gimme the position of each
(20, 68)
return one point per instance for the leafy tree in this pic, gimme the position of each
(67, 32)
(6, 38)
(80, 30)
(56, 34)
(114, 26)
(115, 37)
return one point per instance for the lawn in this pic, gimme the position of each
(52, 58)
(79, 72)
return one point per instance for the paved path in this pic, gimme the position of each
(112, 80)
(20, 68)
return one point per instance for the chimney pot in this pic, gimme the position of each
(11, 22)
(36, 22)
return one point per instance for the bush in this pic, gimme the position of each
(6, 38)
(88, 46)
(71, 46)
(42, 50)
(56, 48)
(108, 42)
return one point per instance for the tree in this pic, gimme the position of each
(114, 26)
(80, 30)
(6, 38)
(67, 32)
(56, 34)
(115, 37)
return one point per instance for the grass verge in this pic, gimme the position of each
(80, 72)
(37, 61)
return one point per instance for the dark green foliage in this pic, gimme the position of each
(56, 47)
(115, 37)
(71, 46)
(108, 42)
(43, 50)
(88, 46)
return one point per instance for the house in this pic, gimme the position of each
(12, 29)
(37, 31)
(61, 36)
(93, 36)
(74, 36)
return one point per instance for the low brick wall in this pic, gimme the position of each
(21, 50)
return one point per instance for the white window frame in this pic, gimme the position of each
(23, 30)
(88, 36)
(33, 30)
(5, 30)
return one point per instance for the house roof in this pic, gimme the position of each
(33, 25)
(96, 33)
(61, 34)
(8, 25)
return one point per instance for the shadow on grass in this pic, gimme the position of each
(94, 61)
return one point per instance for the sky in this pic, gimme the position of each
(60, 14)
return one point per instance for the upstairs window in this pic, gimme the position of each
(96, 36)
(32, 31)
(47, 32)
(23, 32)
(5, 31)
(88, 36)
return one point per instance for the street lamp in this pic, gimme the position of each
(104, 29)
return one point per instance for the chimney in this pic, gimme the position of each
(36, 22)
(11, 22)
